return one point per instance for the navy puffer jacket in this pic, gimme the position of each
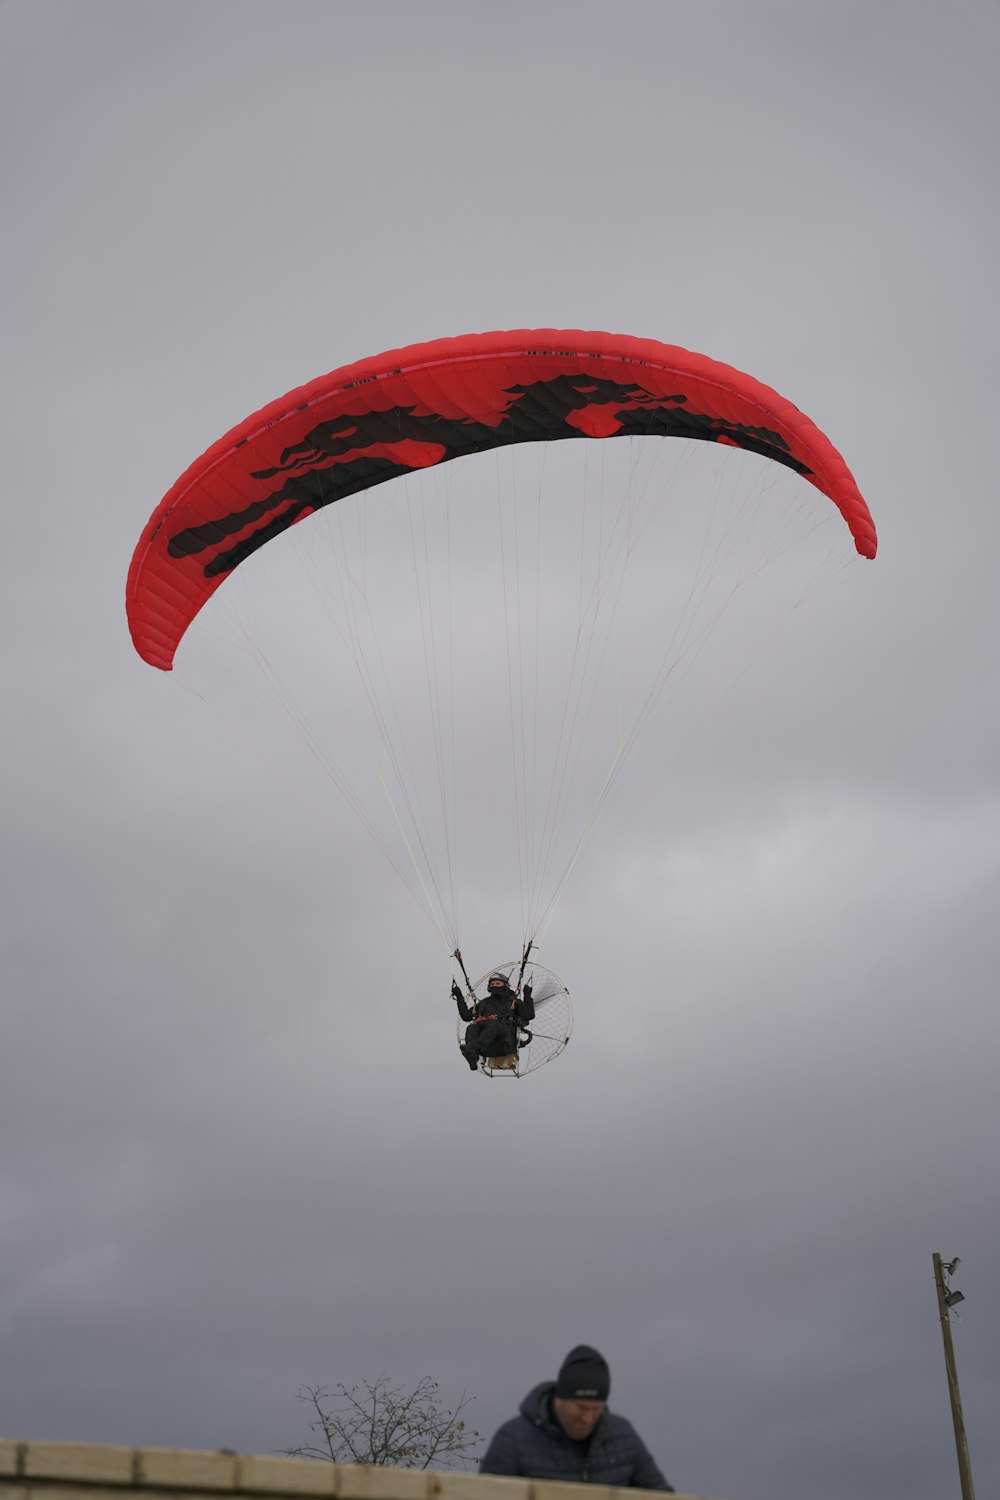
(535, 1446)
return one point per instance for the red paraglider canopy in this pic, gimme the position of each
(415, 407)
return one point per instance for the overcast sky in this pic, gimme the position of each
(239, 1150)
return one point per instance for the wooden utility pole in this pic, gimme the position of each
(964, 1466)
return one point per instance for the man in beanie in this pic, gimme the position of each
(564, 1431)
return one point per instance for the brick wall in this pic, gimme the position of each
(91, 1471)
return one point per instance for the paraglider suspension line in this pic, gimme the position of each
(457, 956)
(524, 962)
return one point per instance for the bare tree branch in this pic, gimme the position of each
(378, 1423)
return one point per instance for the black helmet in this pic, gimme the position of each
(496, 979)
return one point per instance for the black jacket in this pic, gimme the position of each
(502, 1005)
(535, 1446)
